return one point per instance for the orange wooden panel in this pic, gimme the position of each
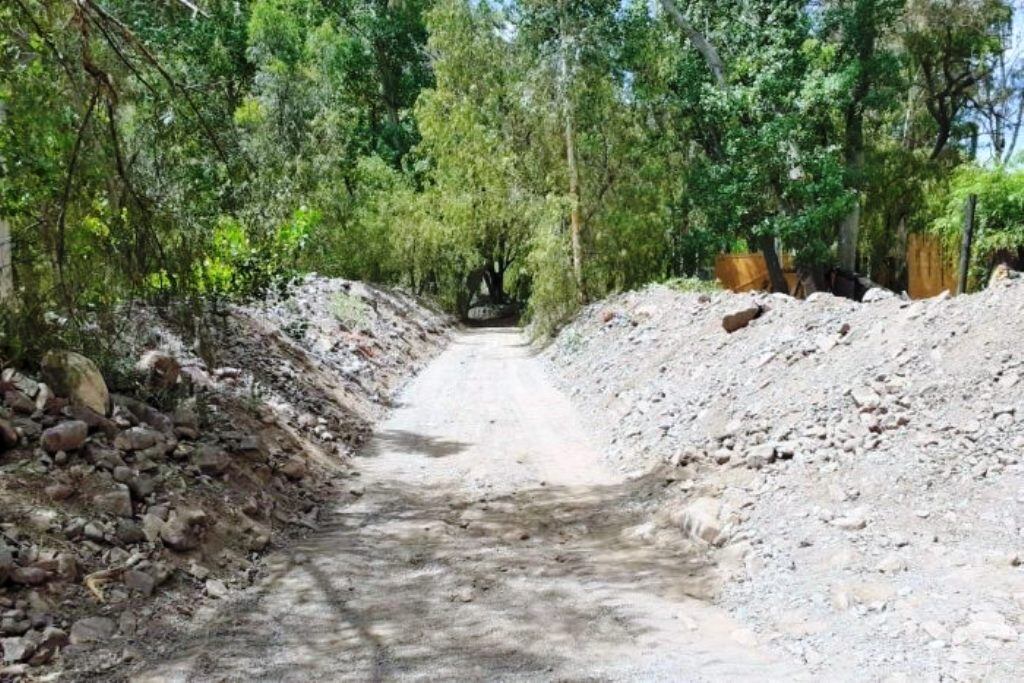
(929, 273)
(742, 272)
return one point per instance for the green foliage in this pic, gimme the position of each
(999, 227)
(146, 153)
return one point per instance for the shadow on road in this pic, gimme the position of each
(409, 442)
(407, 584)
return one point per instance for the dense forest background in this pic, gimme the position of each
(554, 150)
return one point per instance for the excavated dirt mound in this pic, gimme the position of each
(117, 529)
(854, 469)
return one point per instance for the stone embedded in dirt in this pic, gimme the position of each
(103, 458)
(891, 564)
(211, 460)
(128, 532)
(67, 566)
(6, 562)
(855, 521)
(257, 537)
(760, 456)
(141, 486)
(17, 649)
(161, 369)
(700, 520)
(94, 420)
(29, 576)
(741, 318)
(66, 436)
(152, 525)
(47, 644)
(24, 384)
(877, 294)
(76, 377)
(986, 627)
(180, 532)
(8, 435)
(117, 502)
(866, 398)
(19, 402)
(186, 419)
(44, 400)
(295, 468)
(92, 630)
(59, 491)
(216, 589)
(139, 581)
(136, 412)
(137, 439)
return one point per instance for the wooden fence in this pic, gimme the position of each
(929, 272)
(749, 272)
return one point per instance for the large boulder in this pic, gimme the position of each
(66, 436)
(76, 377)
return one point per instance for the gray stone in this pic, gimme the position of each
(178, 534)
(211, 460)
(139, 581)
(67, 436)
(26, 385)
(92, 630)
(29, 576)
(215, 588)
(701, 521)
(137, 439)
(19, 402)
(116, 502)
(877, 294)
(17, 649)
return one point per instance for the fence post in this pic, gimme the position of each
(965, 249)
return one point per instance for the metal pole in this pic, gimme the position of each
(965, 249)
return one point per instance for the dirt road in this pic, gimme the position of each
(485, 542)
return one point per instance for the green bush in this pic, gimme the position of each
(999, 226)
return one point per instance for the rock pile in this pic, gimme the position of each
(856, 469)
(117, 503)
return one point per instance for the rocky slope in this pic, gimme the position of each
(121, 515)
(854, 469)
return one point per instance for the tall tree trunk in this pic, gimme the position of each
(575, 214)
(495, 279)
(849, 229)
(6, 267)
(572, 164)
(771, 258)
(864, 36)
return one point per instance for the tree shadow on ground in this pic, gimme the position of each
(414, 584)
(403, 441)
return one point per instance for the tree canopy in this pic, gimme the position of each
(554, 151)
